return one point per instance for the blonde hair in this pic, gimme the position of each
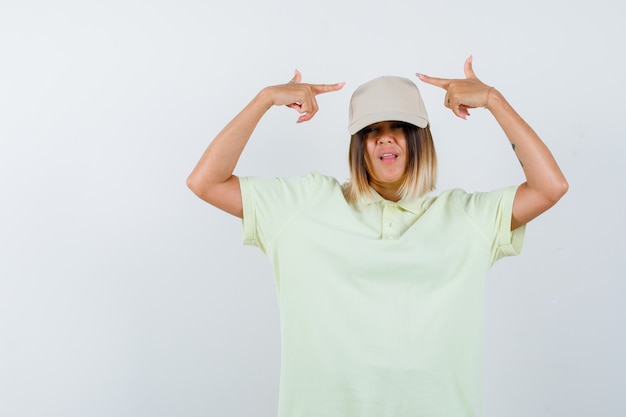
(421, 173)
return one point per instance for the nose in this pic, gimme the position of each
(386, 136)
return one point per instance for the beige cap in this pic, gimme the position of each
(386, 98)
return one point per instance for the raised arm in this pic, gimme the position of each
(545, 183)
(212, 179)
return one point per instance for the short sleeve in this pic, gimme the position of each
(491, 213)
(269, 205)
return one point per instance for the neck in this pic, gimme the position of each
(387, 192)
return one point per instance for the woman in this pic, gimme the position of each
(380, 285)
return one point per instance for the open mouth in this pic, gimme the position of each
(388, 157)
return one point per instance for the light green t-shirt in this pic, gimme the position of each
(381, 303)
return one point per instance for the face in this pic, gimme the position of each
(386, 155)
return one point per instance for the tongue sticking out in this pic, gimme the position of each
(388, 157)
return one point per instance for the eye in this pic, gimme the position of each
(369, 129)
(398, 125)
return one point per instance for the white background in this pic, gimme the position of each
(122, 294)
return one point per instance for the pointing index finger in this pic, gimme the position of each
(326, 88)
(438, 82)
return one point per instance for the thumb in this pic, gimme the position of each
(467, 67)
(297, 77)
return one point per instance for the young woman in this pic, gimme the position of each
(380, 285)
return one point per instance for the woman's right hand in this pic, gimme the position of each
(298, 96)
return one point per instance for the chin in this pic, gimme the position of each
(393, 178)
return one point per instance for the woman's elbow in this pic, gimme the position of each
(194, 184)
(558, 190)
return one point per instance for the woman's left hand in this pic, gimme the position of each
(462, 94)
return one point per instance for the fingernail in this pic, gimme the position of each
(419, 75)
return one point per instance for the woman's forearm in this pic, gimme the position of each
(545, 183)
(540, 168)
(212, 178)
(221, 156)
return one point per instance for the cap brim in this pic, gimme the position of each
(363, 122)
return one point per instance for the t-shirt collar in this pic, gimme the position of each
(414, 205)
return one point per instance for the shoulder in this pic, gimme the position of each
(482, 206)
(306, 179)
(296, 187)
(463, 197)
